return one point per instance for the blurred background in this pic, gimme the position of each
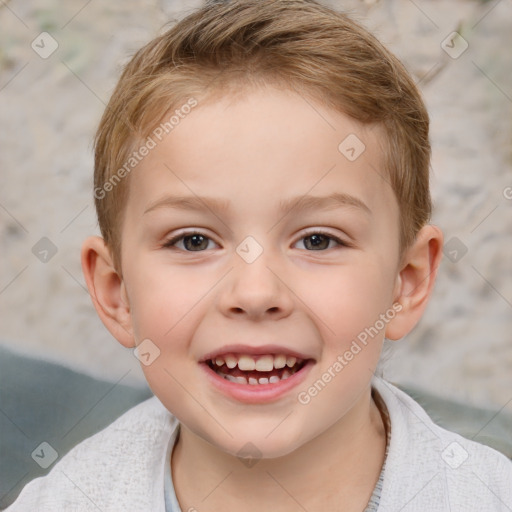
(59, 62)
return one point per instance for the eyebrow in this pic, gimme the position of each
(300, 203)
(330, 202)
(189, 203)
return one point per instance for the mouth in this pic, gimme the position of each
(256, 378)
(256, 371)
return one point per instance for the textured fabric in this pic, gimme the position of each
(43, 401)
(373, 503)
(171, 501)
(118, 469)
(427, 468)
(431, 469)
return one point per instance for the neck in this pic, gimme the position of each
(342, 465)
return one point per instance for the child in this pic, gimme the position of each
(262, 188)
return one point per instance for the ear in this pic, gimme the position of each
(415, 280)
(107, 290)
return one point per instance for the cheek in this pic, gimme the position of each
(166, 308)
(349, 299)
(162, 298)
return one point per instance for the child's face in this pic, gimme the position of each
(304, 294)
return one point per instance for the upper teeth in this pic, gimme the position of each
(264, 363)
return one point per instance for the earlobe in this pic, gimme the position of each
(415, 280)
(107, 290)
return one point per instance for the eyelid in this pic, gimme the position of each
(171, 241)
(321, 231)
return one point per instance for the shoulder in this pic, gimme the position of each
(431, 468)
(113, 470)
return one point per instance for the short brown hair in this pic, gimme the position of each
(296, 44)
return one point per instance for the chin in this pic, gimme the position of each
(257, 446)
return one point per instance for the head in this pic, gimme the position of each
(261, 106)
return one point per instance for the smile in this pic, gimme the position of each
(255, 379)
(255, 371)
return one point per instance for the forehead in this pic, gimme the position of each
(258, 150)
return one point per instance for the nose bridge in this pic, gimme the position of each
(254, 286)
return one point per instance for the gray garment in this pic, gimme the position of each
(122, 467)
(373, 504)
(171, 502)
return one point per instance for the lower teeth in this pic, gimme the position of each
(253, 381)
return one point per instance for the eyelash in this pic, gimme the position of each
(170, 243)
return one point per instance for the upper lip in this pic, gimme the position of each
(253, 351)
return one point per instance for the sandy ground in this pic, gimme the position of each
(49, 108)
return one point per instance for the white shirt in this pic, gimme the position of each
(428, 469)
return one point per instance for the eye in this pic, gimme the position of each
(320, 240)
(192, 242)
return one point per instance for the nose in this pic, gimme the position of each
(256, 291)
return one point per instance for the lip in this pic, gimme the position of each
(253, 351)
(259, 393)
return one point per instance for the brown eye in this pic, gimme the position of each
(192, 242)
(195, 242)
(317, 242)
(320, 241)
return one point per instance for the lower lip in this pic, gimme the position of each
(257, 393)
